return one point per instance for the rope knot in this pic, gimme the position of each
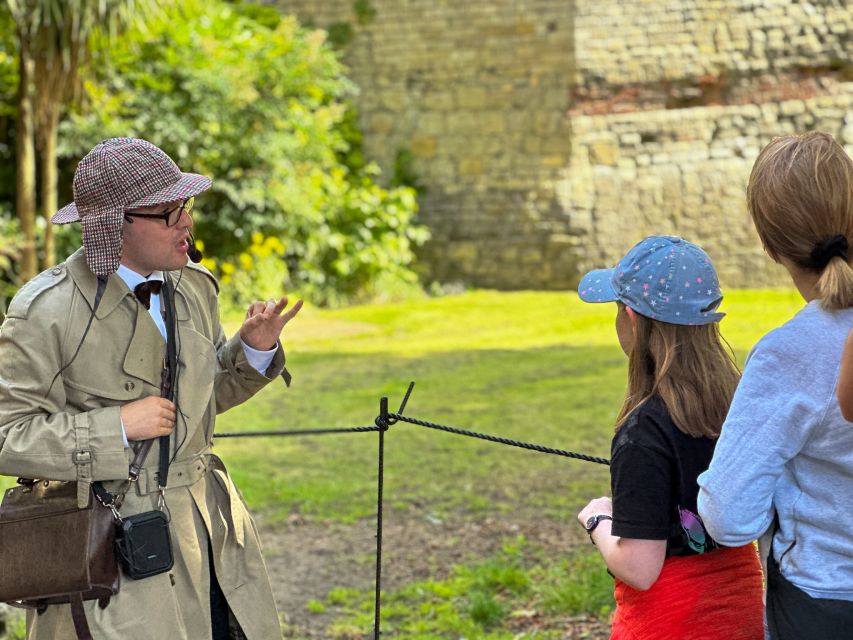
(383, 422)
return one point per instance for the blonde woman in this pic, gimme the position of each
(784, 461)
(672, 579)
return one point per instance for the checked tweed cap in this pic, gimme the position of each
(118, 174)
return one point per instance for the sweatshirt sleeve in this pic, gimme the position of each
(767, 425)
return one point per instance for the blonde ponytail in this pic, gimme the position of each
(800, 197)
(835, 285)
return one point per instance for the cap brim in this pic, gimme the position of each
(66, 214)
(190, 184)
(597, 286)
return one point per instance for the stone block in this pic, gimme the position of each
(431, 124)
(472, 97)
(470, 167)
(553, 161)
(792, 107)
(381, 123)
(463, 252)
(493, 122)
(605, 153)
(422, 146)
(438, 101)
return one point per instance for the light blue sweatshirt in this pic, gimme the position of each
(786, 448)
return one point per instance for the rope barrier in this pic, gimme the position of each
(301, 432)
(484, 436)
(382, 423)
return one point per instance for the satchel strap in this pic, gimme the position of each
(78, 616)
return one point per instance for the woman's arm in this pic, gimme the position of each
(635, 562)
(769, 421)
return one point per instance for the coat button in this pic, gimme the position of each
(128, 386)
(56, 271)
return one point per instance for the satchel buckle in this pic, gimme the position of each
(81, 456)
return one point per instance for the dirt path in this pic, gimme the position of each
(306, 559)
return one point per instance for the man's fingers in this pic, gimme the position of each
(288, 316)
(279, 306)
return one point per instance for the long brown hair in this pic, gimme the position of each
(688, 367)
(800, 194)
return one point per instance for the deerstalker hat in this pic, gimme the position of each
(117, 174)
(665, 278)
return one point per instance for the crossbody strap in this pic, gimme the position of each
(168, 376)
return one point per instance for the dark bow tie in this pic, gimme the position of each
(143, 291)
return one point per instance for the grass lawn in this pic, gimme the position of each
(539, 367)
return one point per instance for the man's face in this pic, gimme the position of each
(149, 245)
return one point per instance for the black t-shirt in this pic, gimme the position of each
(653, 471)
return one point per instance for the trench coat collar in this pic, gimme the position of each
(87, 283)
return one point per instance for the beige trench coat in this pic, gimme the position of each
(71, 431)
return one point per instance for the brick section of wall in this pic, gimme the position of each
(550, 134)
(647, 42)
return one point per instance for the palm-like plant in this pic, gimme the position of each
(54, 39)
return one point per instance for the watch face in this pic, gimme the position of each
(591, 522)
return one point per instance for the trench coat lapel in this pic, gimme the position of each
(144, 356)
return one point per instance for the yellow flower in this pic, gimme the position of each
(274, 244)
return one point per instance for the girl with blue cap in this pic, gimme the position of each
(672, 579)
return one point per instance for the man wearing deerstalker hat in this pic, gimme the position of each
(82, 351)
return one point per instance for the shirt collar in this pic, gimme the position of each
(131, 278)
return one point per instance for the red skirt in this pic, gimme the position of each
(713, 596)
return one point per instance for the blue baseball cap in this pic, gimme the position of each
(662, 277)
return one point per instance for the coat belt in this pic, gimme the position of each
(181, 474)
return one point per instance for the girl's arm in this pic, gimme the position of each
(635, 562)
(844, 390)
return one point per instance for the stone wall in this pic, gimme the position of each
(648, 41)
(477, 92)
(549, 135)
(684, 172)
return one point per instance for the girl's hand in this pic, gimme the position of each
(599, 506)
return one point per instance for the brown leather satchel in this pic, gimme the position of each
(53, 552)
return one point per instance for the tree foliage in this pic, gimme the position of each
(249, 97)
(52, 38)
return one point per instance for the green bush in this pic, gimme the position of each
(259, 103)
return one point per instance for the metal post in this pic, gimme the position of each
(383, 425)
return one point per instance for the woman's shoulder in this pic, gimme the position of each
(808, 346)
(812, 328)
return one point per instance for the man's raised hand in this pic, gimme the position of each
(264, 322)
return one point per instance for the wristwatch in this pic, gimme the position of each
(593, 522)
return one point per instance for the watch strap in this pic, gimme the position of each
(594, 521)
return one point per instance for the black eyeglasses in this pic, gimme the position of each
(170, 216)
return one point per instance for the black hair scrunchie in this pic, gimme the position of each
(827, 249)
